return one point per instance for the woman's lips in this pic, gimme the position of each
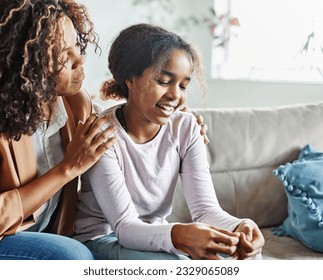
(79, 78)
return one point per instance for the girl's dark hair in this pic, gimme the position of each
(139, 47)
(30, 40)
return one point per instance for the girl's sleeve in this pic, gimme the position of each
(110, 190)
(197, 183)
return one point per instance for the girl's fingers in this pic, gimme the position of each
(226, 232)
(222, 249)
(225, 242)
(245, 243)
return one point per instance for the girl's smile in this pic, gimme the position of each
(167, 108)
(156, 95)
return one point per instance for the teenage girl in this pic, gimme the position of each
(127, 195)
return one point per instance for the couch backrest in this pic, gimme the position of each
(246, 145)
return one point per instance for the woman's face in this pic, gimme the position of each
(156, 95)
(71, 76)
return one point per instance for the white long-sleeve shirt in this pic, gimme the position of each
(130, 190)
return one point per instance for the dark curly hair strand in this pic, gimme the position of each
(29, 49)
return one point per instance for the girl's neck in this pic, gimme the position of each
(139, 131)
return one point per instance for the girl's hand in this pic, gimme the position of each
(88, 144)
(251, 239)
(201, 241)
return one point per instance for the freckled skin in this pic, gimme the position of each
(154, 96)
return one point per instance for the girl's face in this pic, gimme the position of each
(156, 95)
(71, 76)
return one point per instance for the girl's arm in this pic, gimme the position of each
(197, 184)
(115, 202)
(212, 226)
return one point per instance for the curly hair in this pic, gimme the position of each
(141, 46)
(29, 48)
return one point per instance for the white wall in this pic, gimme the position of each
(111, 16)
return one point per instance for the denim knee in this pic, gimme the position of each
(42, 246)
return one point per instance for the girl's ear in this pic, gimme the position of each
(129, 83)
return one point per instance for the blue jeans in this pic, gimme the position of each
(42, 246)
(108, 248)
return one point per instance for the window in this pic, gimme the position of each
(270, 40)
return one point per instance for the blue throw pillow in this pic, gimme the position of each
(303, 183)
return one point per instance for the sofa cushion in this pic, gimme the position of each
(246, 145)
(284, 247)
(303, 184)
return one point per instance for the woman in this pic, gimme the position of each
(42, 44)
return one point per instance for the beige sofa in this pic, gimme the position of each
(246, 145)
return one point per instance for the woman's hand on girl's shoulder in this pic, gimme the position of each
(89, 143)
